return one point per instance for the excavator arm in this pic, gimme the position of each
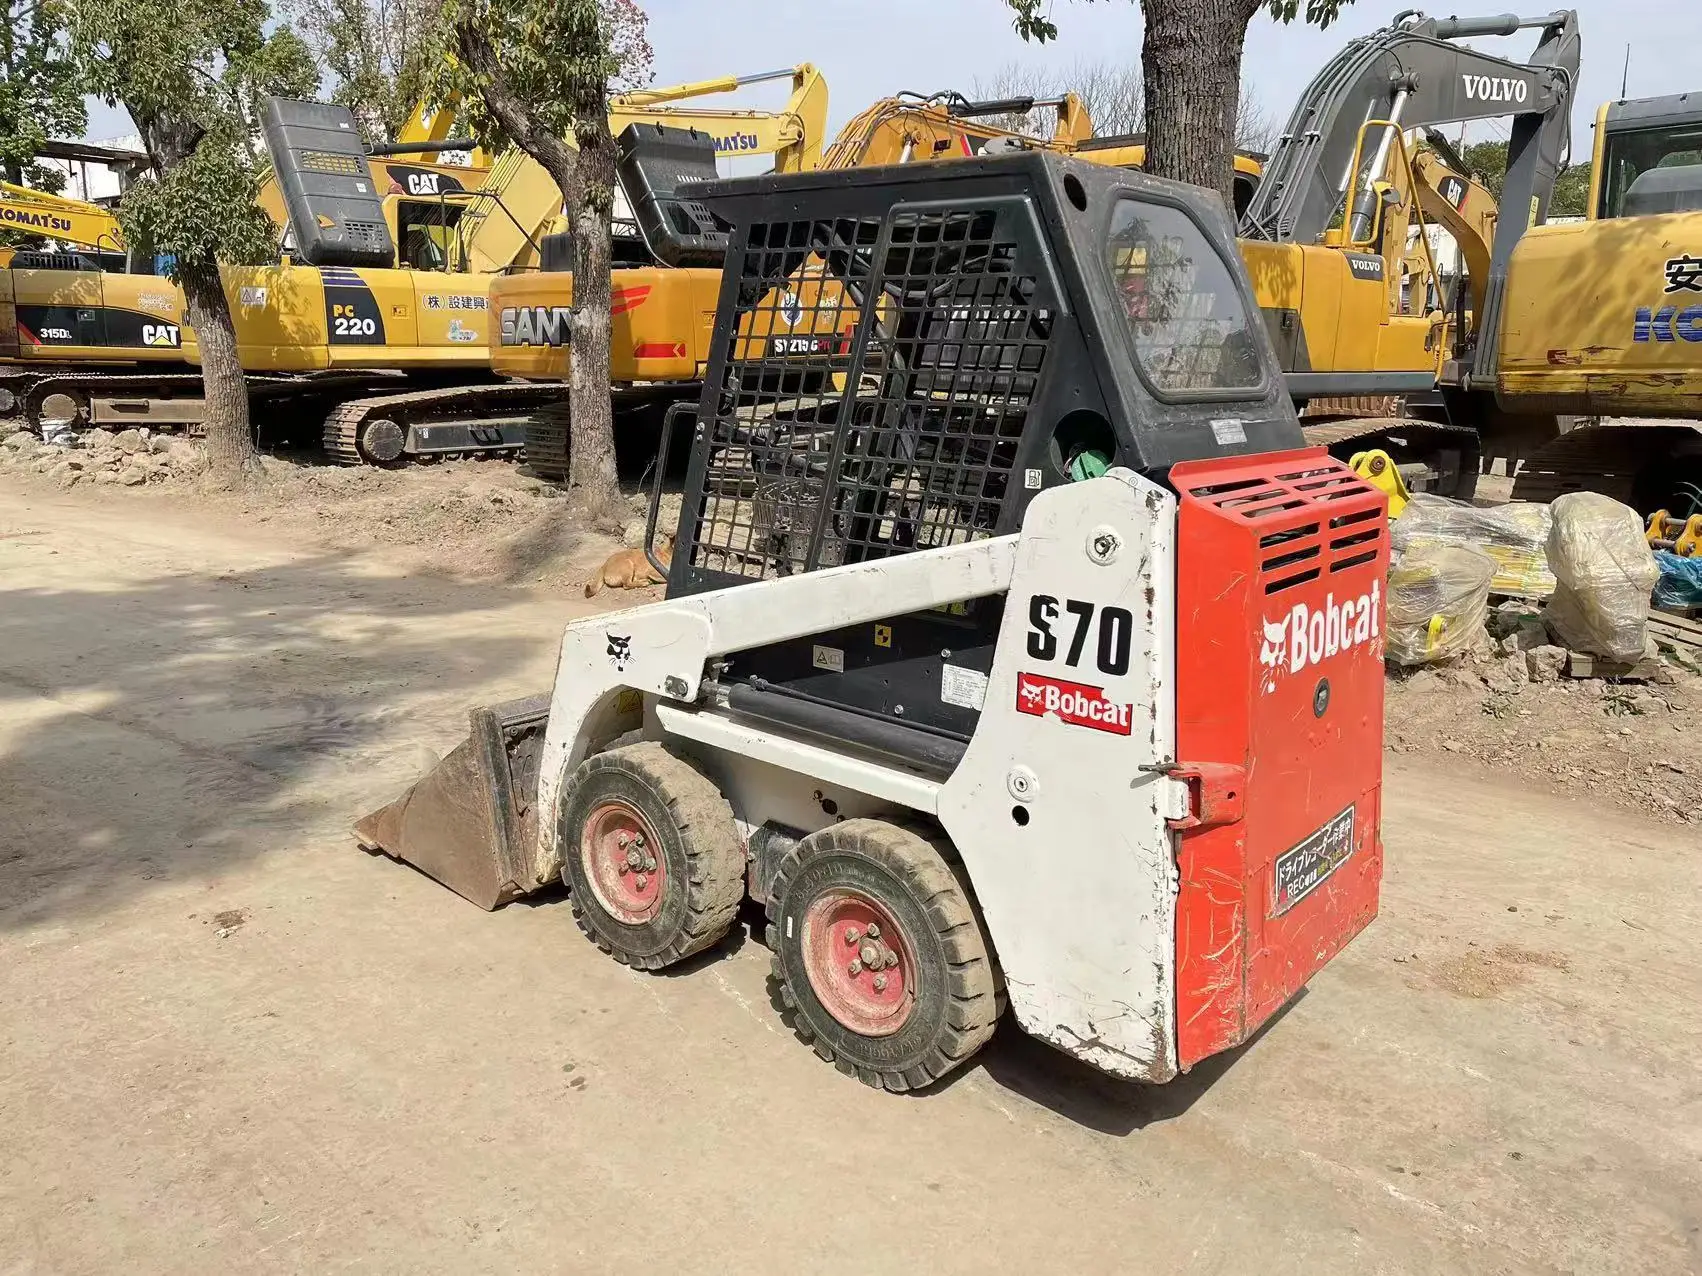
(910, 126)
(1414, 74)
(1408, 75)
(1466, 210)
(70, 221)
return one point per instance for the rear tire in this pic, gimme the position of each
(931, 996)
(651, 856)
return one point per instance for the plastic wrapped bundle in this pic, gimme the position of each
(1438, 602)
(1603, 571)
(1514, 535)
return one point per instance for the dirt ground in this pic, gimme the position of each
(233, 1041)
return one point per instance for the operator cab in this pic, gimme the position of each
(904, 359)
(1651, 157)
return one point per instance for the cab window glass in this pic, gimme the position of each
(1185, 316)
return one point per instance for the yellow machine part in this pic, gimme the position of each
(1589, 326)
(1378, 468)
(288, 318)
(71, 221)
(1683, 536)
(660, 324)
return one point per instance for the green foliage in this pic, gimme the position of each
(1033, 17)
(191, 73)
(378, 52)
(1318, 13)
(202, 207)
(1571, 192)
(560, 58)
(1487, 162)
(40, 96)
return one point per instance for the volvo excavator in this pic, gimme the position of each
(1328, 234)
(1554, 322)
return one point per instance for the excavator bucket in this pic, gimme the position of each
(470, 822)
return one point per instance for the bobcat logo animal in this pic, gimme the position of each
(620, 651)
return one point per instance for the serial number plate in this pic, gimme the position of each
(1301, 870)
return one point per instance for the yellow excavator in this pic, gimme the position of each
(324, 330)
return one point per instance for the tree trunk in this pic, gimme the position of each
(231, 458)
(586, 178)
(1191, 61)
(591, 460)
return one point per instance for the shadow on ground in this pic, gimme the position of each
(171, 728)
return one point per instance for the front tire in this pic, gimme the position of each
(880, 955)
(651, 857)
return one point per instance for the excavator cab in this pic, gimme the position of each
(1649, 157)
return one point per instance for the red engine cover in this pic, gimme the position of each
(1282, 564)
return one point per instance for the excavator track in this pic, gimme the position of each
(77, 390)
(1424, 440)
(73, 391)
(391, 428)
(1636, 461)
(546, 441)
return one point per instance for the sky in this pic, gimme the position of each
(871, 48)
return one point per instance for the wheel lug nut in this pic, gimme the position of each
(874, 931)
(851, 937)
(621, 839)
(880, 983)
(891, 959)
(641, 881)
(855, 968)
(649, 863)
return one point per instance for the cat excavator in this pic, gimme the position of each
(531, 248)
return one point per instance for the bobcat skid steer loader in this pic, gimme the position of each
(1014, 647)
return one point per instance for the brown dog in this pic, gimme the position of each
(630, 569)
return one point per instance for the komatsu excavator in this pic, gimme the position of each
(1016, 652)
(1602, 319)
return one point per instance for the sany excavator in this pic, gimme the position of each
(397, 306)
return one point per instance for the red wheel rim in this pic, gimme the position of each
(623, 862)
(866, 982)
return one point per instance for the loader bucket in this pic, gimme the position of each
(471, 822)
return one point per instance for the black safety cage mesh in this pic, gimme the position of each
(873, 384)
